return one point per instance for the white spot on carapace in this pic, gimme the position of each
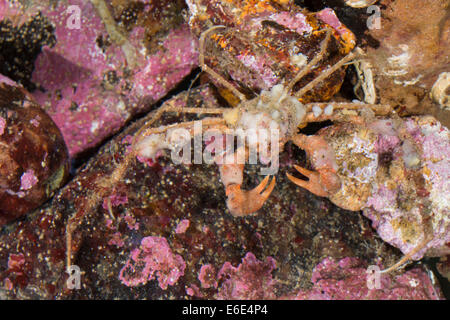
(328, 111)
(317, 111)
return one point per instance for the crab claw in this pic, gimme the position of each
(242, 202)
(322, 183)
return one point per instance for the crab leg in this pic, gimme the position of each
(242, 202)
(325, 74)
(379, 109)
(312, 63)
(408, 256)
(207, 69)
(357, 113)
(146, 128)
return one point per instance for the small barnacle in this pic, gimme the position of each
(440, 92)
(360, 3)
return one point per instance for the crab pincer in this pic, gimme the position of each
(244, 202)
(324, 180)
(313, 184)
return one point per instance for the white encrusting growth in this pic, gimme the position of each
(149, 146)
(410, 157)
(328, 111)
(254, 121)
(440, 90)
(299, 60)
(360, 3)
(317, 111)
(272, 110)
(398, 64)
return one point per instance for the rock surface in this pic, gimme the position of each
(33, 156)
(101, 64)
(414, 46)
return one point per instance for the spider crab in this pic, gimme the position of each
(369, 159)
(317, 55)
(274, 109)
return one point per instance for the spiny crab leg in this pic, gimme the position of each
(408, 256)
(313, 184)
(242, 202)
(207, 69)
(146, 128)
(312, 63)
(345, 112)
(379, 109)
(326, 73)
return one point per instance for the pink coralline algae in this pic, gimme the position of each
(193, 290)
(16, 262)
(415, 216)
(116, 240)
(131, 222)
(182, 226)
(329, 17)
(91, 82)
(348, 279)
(297, 21)
(2, 125)
(152, 259)
(28, 180)
(207, 276)
(251, 280)
(115, 200)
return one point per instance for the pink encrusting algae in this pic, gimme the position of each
(182, 226)
(297, 21)
(28, 180)
(152, 259)
(115, 200)
(116, 240)
(2, 125)
(131, 222)
(194, 291)
(329, 17)
(349, 279)
(207, 276)
(91, 90)
(16, 262)
(252, 279)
